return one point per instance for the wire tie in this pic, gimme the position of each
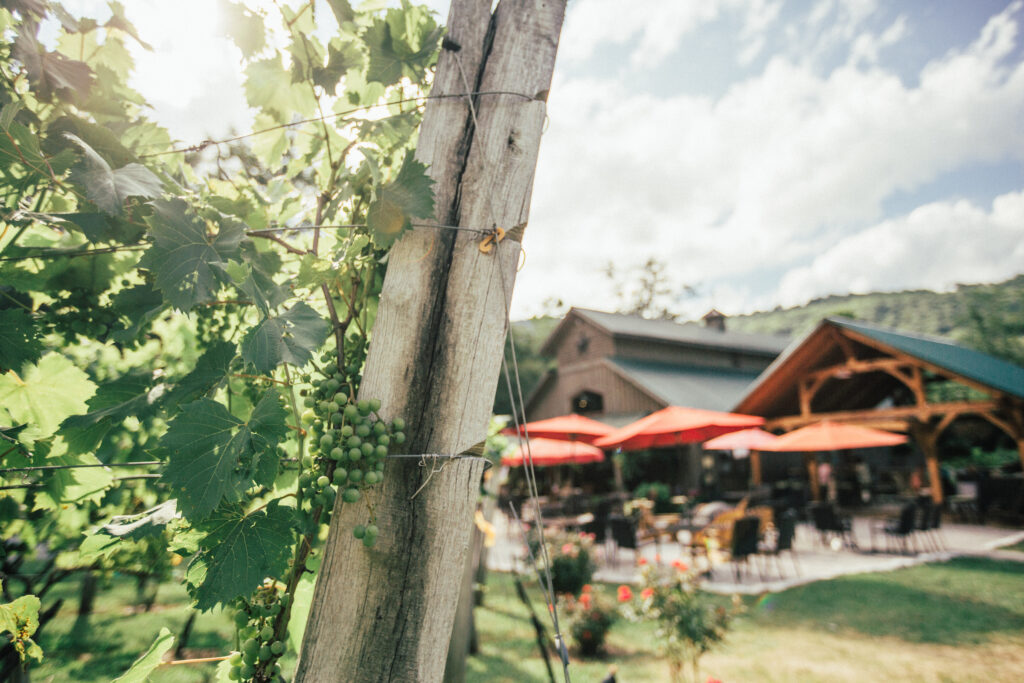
(490, 239)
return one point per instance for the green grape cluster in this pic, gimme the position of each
(258, 645)
(80, 313)
(349, 442)
(211, 323)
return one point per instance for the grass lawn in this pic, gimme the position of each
(958, 621)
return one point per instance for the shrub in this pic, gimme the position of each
(590, 617)
(571, 565)
(688, 623)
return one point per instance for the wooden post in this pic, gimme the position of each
(927, 438)
(755, 467)
(386, 614)
(811, 460)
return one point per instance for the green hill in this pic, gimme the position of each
(989, 318)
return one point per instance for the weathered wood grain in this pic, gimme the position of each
(386, 614)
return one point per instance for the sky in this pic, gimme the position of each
(768, 152)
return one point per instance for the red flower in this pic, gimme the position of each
(567, 548)
(641, 562)
(587, 588)
(657, 558)
(711, 679)
(680, 565)
(647, 593)
(625, 594)
(585, 600)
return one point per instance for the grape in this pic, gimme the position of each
(368, 449)
(234, 673)
(399, 437)
(248, 670)
(347, 431)
(371, 477)
(383, 440)
(355, 454)
(337, 453)
(307, 417)
(241, 619)
(309, 402)
(277, 647)
(374, 404)
(353, 442)
(381, 451)
(355, 476)
(323, 481)
(379, 428)
(249, 647)
(326, 440)
(351, 412)
(235, 659)
(265, 653)
(307, 461)
(358, 530)
(398, 424)
(341, 397)
(363, 406)
(369, 541)
(363, 431)
(340, 475)
(351, 495)
(332, 407)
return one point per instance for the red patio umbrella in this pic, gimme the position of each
(564, 428)
(554, 452)
(746, 439)
(676, 425)
(833, 436)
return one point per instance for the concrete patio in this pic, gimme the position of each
(816, 561)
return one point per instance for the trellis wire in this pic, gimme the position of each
(531, 478)
(200, 146)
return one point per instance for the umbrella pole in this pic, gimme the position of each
(755, 467)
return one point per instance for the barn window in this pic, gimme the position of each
(587, 402)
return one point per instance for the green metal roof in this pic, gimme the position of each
(684, 385)
(946, 354)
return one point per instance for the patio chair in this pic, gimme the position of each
(623, 533)
(902, 528)
(785, 534)
(830, 524)
(745, 534)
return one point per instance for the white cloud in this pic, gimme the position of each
(936, 246)
(776, 171)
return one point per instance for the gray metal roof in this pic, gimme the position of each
(946, 354)
(689, 386)
(691, 334)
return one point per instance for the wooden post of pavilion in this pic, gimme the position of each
(811, 461)
(927, 438)
(755, 467)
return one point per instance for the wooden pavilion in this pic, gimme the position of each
(857, 372)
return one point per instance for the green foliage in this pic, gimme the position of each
(148, 303)
(238, 551)
(149, 661)
(213, 454)
(20, 620)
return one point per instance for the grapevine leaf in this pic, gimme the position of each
(201, 458)
(209, 373)
(112, 403)
(20, 619)
(245, 28)
(402, 44)
(239, 551)
(149, 661)
(268, 86)
(209, 447)
(95, 226)
(51, 72)
(290, 337)
(138, 306)
(152, 522)
(43, 396)
(409, 195)
(75, 484)
(342, 10)
(19, 340)
(109, 188)
(184, 254)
